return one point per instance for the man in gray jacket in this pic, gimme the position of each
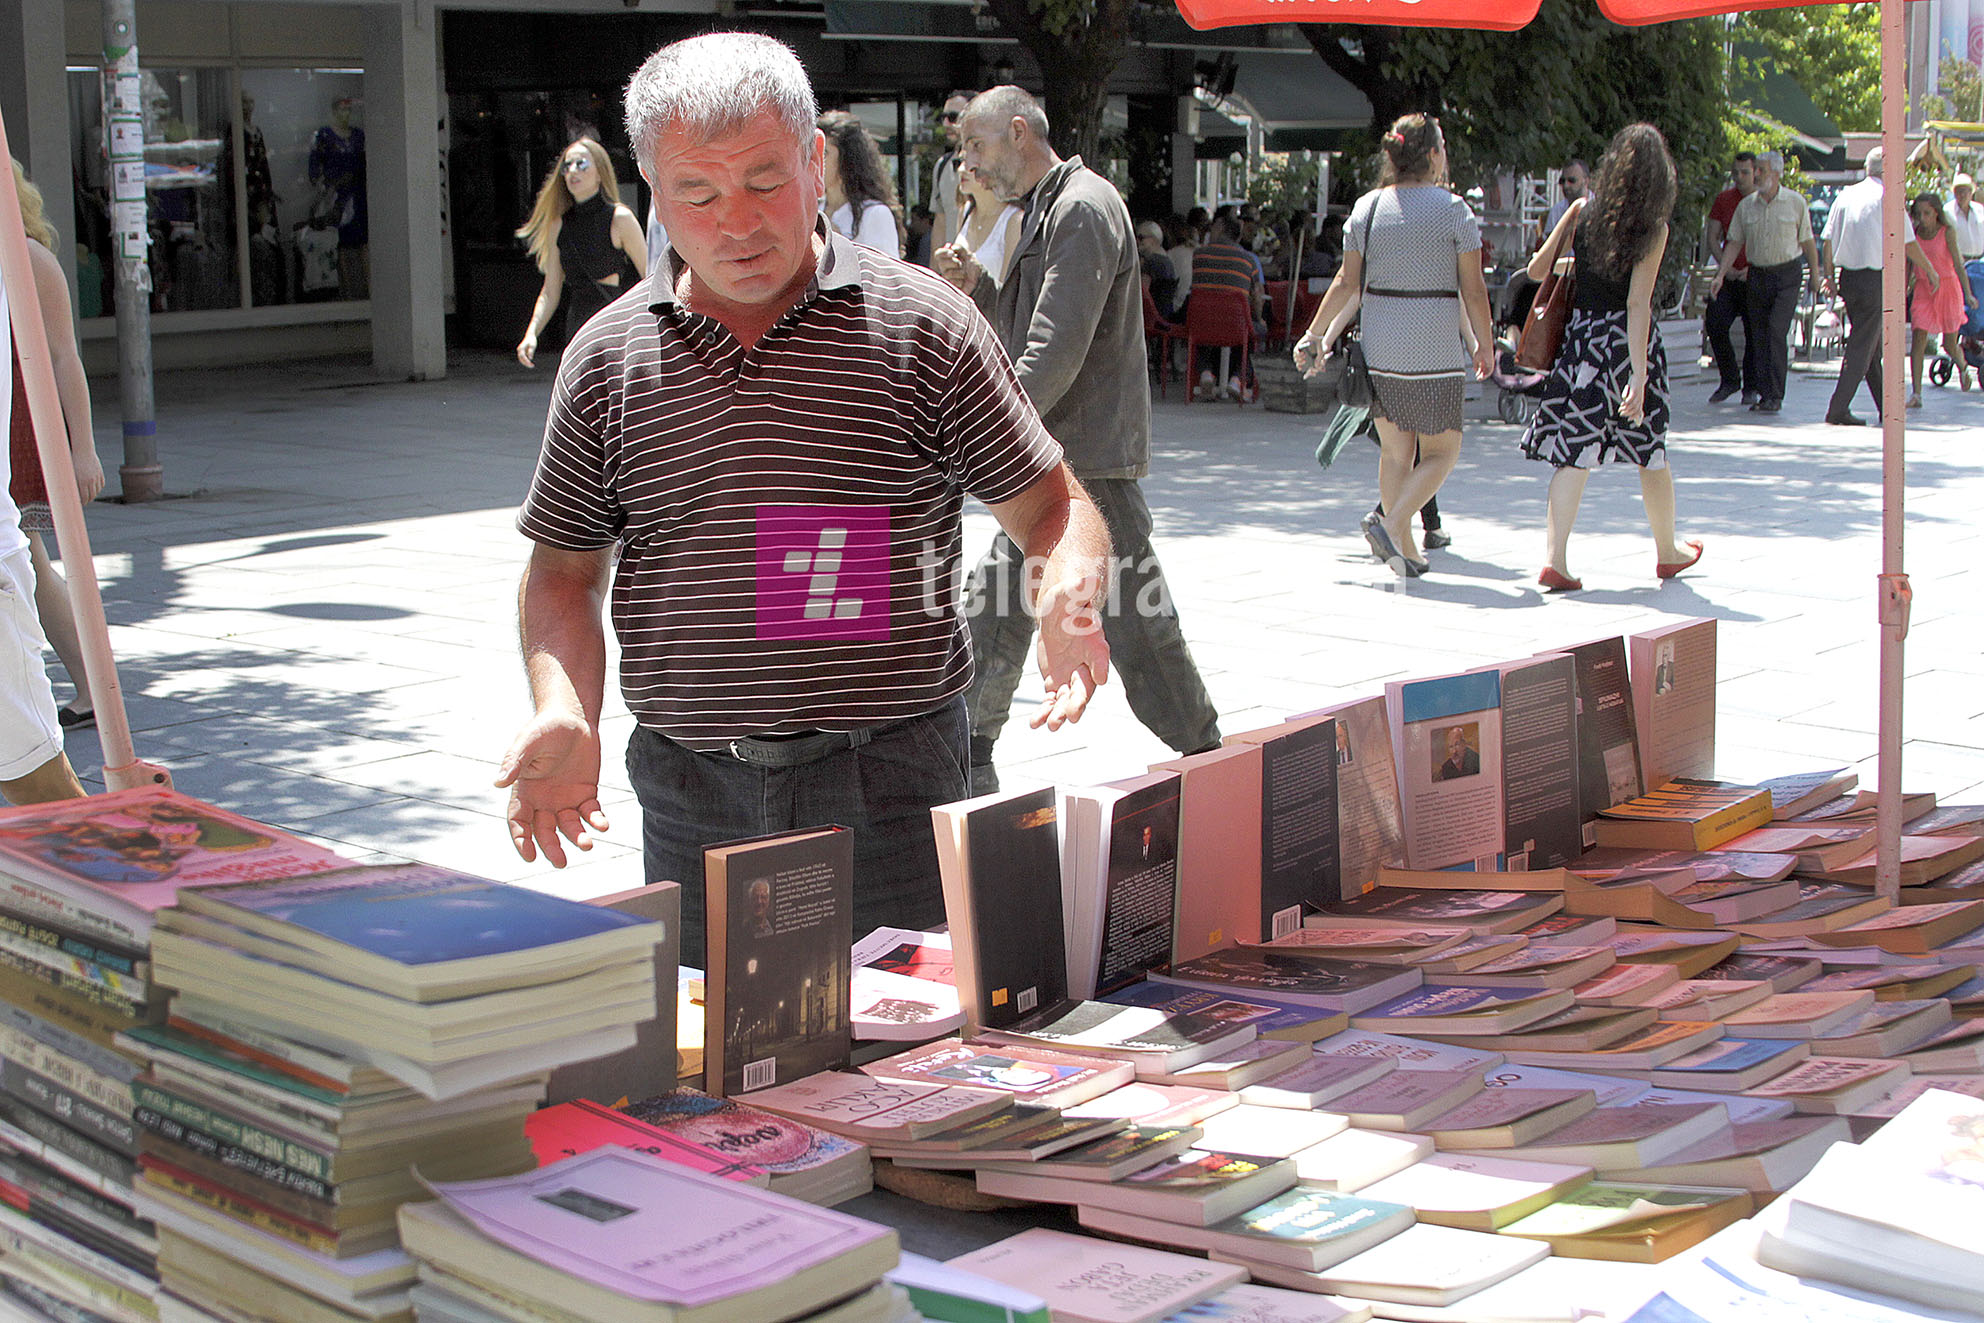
(1070, 312)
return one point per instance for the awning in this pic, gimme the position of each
(1767, 89)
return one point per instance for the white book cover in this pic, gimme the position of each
(1742, 1109)
(1673, 672)
(1423, 1264)
(1355, 1158)
(1247, 1303)
(1409, 1053)
(1269, 1132)
(1086, 1280)
(1468, 1182)
(1609, 1090)
(1447, 742)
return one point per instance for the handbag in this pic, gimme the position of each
(1543, 330)
(1346, 359)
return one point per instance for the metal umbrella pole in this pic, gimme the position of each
(121, 768)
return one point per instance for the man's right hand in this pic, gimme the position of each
(955, 263)
(553, 773)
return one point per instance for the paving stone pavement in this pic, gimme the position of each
(317, 626)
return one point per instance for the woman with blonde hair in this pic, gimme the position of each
(589, 247)
(860, 201)
(1412, 271)
(28, 486)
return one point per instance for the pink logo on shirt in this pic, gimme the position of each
(823, 572)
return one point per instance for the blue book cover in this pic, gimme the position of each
(1734, 1055)
(415, 914)
(1308, 1216)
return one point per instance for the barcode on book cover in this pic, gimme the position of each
(1518, 862)
(1026, 1000)
(1286, 921)
(1485, 863)
(760, 1074)
(1590, 834)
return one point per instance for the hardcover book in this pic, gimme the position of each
(1673, 673)
(649, 1066)
(1447, 741)
(781, 928)
(1001, 867)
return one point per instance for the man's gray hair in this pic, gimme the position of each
(1876, 161)
(1771, 161)
(1004, 103)
(708, 86)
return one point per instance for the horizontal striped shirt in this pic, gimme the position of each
(1225, 266)
(787, 516)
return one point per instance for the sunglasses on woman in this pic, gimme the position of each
(579, 163)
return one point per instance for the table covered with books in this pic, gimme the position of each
(1481, 999)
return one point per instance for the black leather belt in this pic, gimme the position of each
(1415, 293)
(799, 747)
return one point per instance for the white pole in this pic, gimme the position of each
(1894, 593)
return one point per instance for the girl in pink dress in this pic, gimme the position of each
(1938, 304)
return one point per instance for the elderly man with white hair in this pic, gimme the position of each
(1773, 228)
(1853, 253)
(1967, 218)
(763, 449)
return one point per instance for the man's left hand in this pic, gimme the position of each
(1073, 654)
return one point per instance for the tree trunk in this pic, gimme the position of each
(1077, 46)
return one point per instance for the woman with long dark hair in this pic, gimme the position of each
(589, 247)
(1412, 270)
(1939, 302)
(1606, 396)
(860, 201)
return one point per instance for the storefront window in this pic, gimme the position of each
(264, 211)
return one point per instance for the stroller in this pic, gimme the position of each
(1971, 339)
(1518, 388)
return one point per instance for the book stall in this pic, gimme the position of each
(1478, 999)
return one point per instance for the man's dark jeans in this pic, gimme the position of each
(883, 790)
(1773, 302)
(1724, 311)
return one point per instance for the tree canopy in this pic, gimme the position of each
(1834, 51)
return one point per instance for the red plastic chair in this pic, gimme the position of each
(1159, 332)
(1217, 319)
(1280, 330)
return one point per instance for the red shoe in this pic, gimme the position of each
(1668, 569)
(1554, 582)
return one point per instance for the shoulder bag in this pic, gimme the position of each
(1543, 330)
(1346, 360)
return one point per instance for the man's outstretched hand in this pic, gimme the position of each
(1073, 655)
(552, 771)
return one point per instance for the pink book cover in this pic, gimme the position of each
(1219, 849)
(580, 1126)
(648, 1229)
(138, 848)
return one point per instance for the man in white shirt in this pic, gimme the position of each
(1967, 219)
(1853, 252)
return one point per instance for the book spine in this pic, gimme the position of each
(79, 1114)
(112, 1094)
(18, 1227)
(33, 900)
(74, 984)
(242, 1210)
(232, 1155)
(111, 981)
(76, 1278)
(233, 1130)
(46, 1183)
(288, 1202)
(106, 1061)
(76, 1231)
(65, 1010)
(113, 1168)
(131, 964)
(295, 1059)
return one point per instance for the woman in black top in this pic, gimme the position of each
(589, 247)
(1606, 397)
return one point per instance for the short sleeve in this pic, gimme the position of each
(1360, 219)
(1467, 230)
(994, 444)
(1804, 221)
(570, 505)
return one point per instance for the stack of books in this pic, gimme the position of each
(623, 1235)
(81, 885)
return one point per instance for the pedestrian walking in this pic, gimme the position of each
(1606, 396)
(860, 201)
(590, 248)
(945, 199)
(1070, 311)
(1939, 299)
(1773, 228)
(28, 486)
(1854, 256)
(1729, 306)
(991, 228)
(764, 456)
(1412, 273)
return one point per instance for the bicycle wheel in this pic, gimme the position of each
(1940, 370)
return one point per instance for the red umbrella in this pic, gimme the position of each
(1893, 593)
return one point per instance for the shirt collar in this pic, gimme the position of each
(839, 267)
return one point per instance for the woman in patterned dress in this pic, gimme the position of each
(1606, 396)
(1412, 272)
